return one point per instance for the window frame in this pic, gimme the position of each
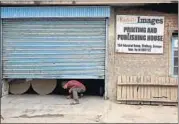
(173, 49)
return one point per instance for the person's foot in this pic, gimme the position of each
(81, 95)
(74, 103)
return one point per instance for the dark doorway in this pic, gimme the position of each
(93, 86)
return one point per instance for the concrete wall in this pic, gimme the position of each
(5, 88)
(138, 64)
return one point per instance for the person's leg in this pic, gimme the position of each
(81, 91)
(75, 96)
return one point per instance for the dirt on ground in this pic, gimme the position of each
(57, 109)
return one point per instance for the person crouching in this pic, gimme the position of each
(74, 87)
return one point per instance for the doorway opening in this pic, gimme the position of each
(95, 87)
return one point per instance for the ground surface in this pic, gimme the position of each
(55, 108)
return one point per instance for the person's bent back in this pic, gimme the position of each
(74, 87)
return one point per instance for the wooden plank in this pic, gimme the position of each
(164, 90)
(124, 90)
(123, 79)
(135, 79)
(152, 79)
(152, 93)
(167, 80)
(138, 79)
(147, 84)
(118, 98)
(176, 89)
(127, 88)
(172, 80)
(171, 89)
(175, 93)
(164, 103)
(122, 95)
(160, 88)
(149, 79)
(119, 88)
(140, 88)
(173, 96)
(138, 92)
(135, 88)
(144, 88)
(133, 102)
(148, 103)
(131, 91)
(156, 92)
(149, 89)
(127, 79)
(119, 95)
(119, 80)
(132, 87)
(172, 92)
(176, 81)
(152, 100)
(128, 91)
(147, 93)
(143, 92)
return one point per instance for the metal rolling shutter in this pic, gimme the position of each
(54, 48)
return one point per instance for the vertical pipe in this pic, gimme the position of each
(106, 61)
(0, 53)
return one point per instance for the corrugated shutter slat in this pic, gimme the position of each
(54, 48)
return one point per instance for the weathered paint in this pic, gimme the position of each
(54, 48)
(85, 2)
(60, 11)
(0, 50)
(106, 60)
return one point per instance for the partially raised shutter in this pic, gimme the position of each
(54, 48)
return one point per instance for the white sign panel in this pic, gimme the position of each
(139, 34)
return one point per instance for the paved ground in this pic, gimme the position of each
(55, 108)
